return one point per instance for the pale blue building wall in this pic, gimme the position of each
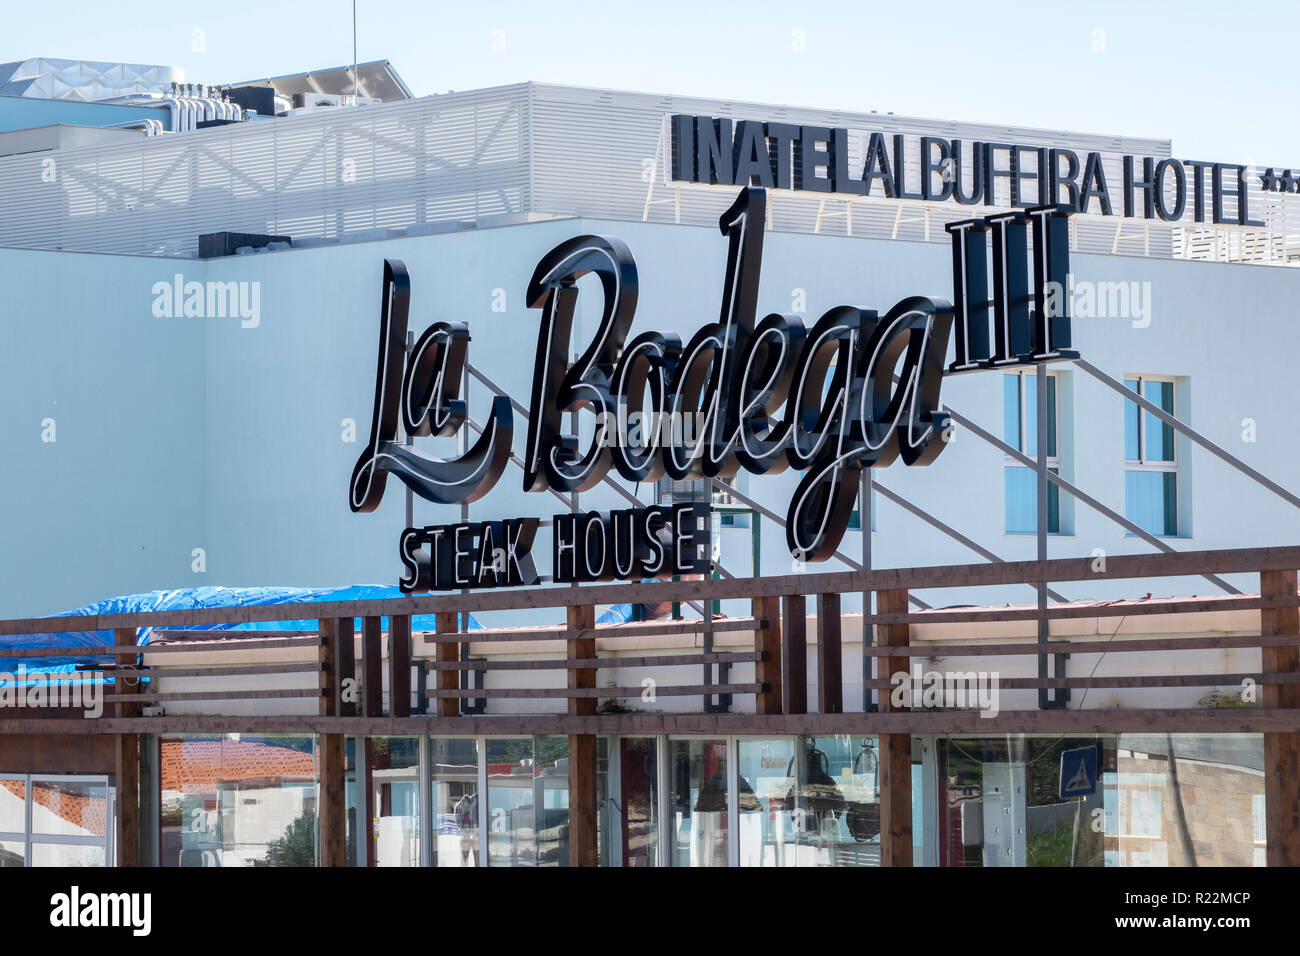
(176, 434)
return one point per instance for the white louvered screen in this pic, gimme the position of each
(530, 148)
(332, 175)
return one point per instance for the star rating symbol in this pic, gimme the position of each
(1286, 183)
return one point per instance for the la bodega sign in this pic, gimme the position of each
(857, 389)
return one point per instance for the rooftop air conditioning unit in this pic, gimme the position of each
(311, 100)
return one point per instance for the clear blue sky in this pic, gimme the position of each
(1213, 77)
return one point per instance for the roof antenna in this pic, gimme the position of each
(354, 52)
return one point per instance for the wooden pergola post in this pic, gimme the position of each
(583, 850)
(895, 749)
(127, 762)
(399, 665)
(344, 666)
(1281, 750)
(447, 652)
(372, 668)
(794, 656)
(333, 756)
(767, 642)
(830, 663)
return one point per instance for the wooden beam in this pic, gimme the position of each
(794, 653)
(1148, 680)
(152, 697)
(582, 747)
(892, 636)
(583, 850)
(126, 678)
(895, 748)
(830, 663)
(1118, 567)
(593, 693)
(1226, 720)
(895, 800)
(127, 781)
(1138, 607)
(345, 660)
(447, 654)
(598, 663)
(328, 632)
(372, 671)
(767, 642)
(1140, 645)
(399, 665)
(1281, 750)
(333, 801)
(240, 670)
(127, 689)
(582, 618)
(558, 632)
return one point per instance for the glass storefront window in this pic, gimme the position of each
(355, 812)
(815, 801)
(62, 820)
(13, 805)
(69, 808)
(528, 801)
(454, 771)
(238, 800)
(63, 854)
(627, 785)
(12, 853)
(698, 802)
(1184, 800)
(1152, 800)
(393, 774)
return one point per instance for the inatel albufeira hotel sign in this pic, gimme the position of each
(859, 388)
(817, 159)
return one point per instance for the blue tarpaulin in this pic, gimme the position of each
(615, 614)
(188, 599)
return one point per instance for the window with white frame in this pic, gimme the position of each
(1020, 431)
(56, 820)
(1150, 458)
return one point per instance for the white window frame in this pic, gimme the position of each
(29, 839)
(1053, 461)
(1141, 463)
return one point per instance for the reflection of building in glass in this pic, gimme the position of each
(245, 802)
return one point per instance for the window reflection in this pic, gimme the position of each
(13, 805)
(11, 853)
(699, 802)
(393, 771)
(1156, 800)
(54, 821)
(61, 854)
(627, 784)
(238, 801)
(455, 801)
(816, 802)
(69, 808)
(528, 801)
